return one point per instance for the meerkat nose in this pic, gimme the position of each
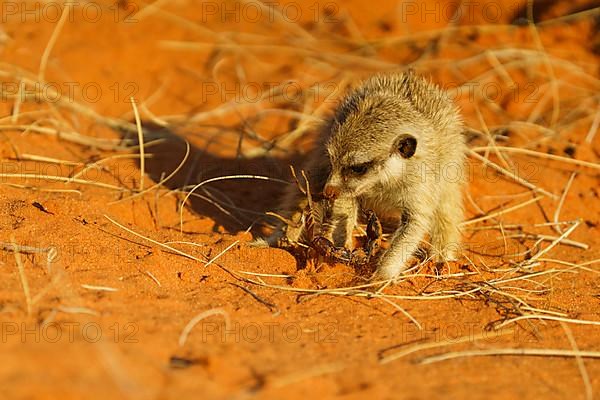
(331, 192)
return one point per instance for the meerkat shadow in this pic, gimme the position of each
(228, 190)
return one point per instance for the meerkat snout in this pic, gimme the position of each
(331, 192)
(386, 148)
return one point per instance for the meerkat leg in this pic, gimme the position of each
(270, 241)
(292, 231)
(403, 246)
(339, 222)
(445, 230)
(345, 212)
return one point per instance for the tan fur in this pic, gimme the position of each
(421, 191)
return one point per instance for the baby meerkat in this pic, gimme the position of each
(394, 146)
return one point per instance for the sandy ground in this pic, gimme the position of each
(104, 274)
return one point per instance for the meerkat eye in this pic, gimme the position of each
(360, 169)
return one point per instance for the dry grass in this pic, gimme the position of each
(510, 352)
(205, 314)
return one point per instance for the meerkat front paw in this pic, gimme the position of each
(446, 254)
(340, 220)
(259, 243)
(387, 271)
(272, 240)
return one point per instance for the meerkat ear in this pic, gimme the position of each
(405, 145)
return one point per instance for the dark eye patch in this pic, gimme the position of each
(360, 169)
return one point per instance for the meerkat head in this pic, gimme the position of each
(374, 139)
